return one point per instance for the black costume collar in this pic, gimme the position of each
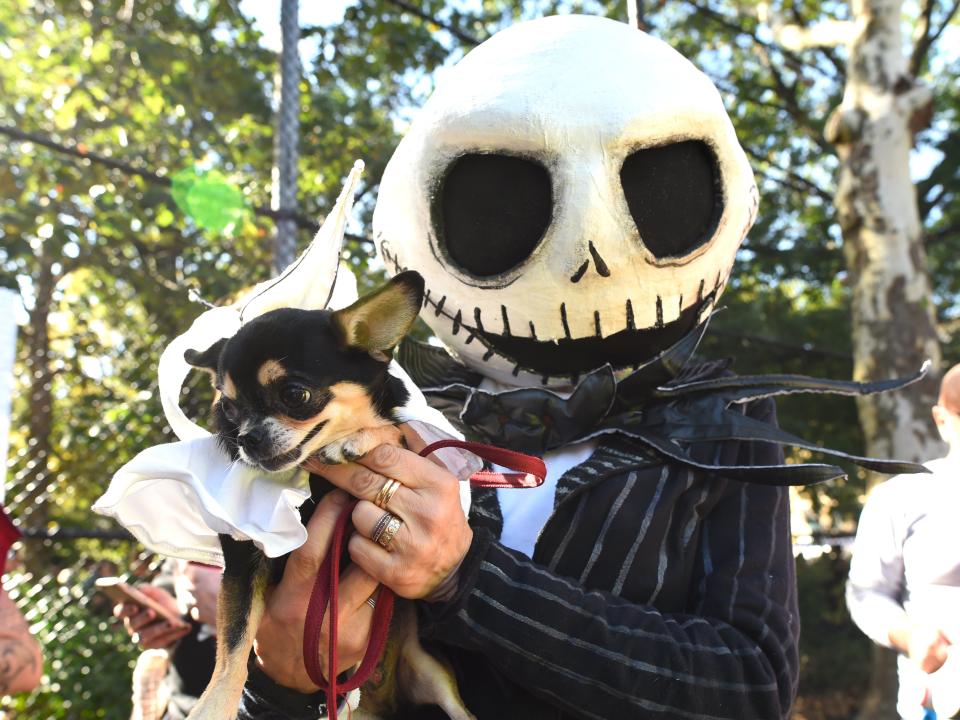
(667, 405)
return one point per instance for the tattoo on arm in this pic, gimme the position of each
(19, 652)
(17, 661)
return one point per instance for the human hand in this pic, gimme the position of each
(145, 626)
(927, 647)
(279, 642)
(434, 538)
(197, 588)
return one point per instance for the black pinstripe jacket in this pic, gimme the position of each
(656, 590)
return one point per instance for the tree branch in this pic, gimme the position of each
(720, 19)
(927, 38)
(828, 33)
(800, 184)
(922, 38)
(79, 151)
(946, 21)
(149, 263)
(461, 35)
(826, 52)
(836, 62)
(792, 110)
(789, 94)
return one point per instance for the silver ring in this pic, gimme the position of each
(372, 601)
(385, 538)
(380, 526)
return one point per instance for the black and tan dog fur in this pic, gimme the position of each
(290, 385)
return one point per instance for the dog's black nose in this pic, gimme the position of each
(252, 439)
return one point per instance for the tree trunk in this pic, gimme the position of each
(893, 318)
(32, 510)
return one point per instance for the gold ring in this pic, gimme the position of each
(385, 538)
(380, 526)
(386, 493)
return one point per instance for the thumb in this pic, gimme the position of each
(152, 590)
(304, 562)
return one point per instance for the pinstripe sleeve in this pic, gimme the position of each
(733, 655)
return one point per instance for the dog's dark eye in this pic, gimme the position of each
(294, 396)
(229, 408)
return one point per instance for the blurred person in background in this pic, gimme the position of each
(904, 585)
(177, 663)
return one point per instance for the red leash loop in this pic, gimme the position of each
(529, 472)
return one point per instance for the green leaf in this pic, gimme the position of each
(209, 199)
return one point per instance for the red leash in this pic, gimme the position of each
(528, 471)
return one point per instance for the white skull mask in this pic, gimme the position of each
(573, 193)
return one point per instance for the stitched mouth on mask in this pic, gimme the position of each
(573, 356)
(570, 357)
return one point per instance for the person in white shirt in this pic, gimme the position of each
(904, 586)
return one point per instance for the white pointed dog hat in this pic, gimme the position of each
(176, 498)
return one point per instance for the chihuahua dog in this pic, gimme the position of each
(291, 385)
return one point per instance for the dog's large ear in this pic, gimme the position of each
(206, 360)
(377, 322)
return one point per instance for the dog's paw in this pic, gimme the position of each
(344, 450)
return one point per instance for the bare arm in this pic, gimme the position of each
(21, 663)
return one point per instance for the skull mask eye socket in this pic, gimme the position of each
(673, 192)
(491, 211)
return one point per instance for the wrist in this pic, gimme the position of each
(447, 588)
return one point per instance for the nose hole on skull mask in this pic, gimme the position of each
(674, 195)
(491, 211)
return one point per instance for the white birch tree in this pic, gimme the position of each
(884, 105)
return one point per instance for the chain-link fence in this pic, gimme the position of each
(71, 431)
(88, 658)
